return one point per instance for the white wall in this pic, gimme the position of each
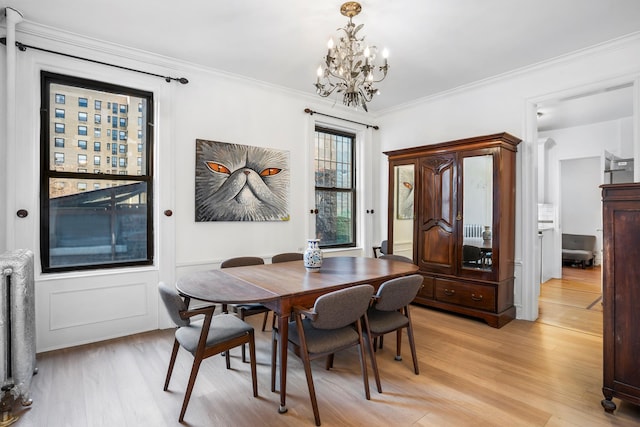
(507, 104)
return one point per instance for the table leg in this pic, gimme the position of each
(283, 344)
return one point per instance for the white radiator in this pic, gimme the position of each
(472, 230)
(17, 327)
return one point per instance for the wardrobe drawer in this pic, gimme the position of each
(473, 295)
(426, 291)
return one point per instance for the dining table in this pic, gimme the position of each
(281, 286)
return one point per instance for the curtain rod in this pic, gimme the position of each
(311, 112)
(22, 47)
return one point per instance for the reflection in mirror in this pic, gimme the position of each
(477, 212)
(404, 176)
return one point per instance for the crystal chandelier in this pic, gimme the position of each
(350, 66)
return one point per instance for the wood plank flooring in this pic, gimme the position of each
(524, 374)
(573, 302)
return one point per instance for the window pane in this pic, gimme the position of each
(82, 95)
(99, 226)
(335, 188)
(334, 219)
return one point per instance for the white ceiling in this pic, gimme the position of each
(434, 45)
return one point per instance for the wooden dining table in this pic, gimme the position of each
(282, 286)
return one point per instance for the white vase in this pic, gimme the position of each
(313, 256)
(486, 234)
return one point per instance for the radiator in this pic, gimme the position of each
(472, 230)
(17, 327)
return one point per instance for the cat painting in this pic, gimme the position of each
(241, 182)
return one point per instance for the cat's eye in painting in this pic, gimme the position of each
(270, 171)
(217, 167)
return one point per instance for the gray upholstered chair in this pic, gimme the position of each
(204, 338)
(397, 258)
(390, 312)
(246, 310)
(286, 257)
(332, 325)
(382, 249)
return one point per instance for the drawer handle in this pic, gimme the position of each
(476, 298)
(449, 292)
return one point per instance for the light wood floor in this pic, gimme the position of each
(524, 374)
(573, 302)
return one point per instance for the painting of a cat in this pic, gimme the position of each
(241, 182)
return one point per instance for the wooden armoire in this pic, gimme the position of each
(621, 293)
(452, 210)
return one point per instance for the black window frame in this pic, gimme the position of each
(352, 190)
(47, 173)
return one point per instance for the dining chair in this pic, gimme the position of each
(286, 257)
(204, 338)
(397, 258)
(382, 249)
(245, 310)
(332, 325)
(390, 312)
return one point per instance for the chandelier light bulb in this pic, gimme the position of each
(330, 44)
(320, 71)
(385, 53)
(367, 53)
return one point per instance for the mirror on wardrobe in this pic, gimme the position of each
(477, 212)
(403, 210)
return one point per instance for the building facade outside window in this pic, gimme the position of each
(335, 187)
(96, 218)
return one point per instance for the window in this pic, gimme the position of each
(82, 117)
(97, 104)
(111, 225)
(123, 148)
(123, 108)
(122, 135)
(59, 113)
(334, 154)
(97, 119)
(123, 122)
(114, 122)
(139, 134)
(97, 132)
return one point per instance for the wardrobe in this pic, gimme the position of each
(451, 209)
(621, 293)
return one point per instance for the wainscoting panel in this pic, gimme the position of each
(79, 309)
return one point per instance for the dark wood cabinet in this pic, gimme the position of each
(452, 210)
(621, 293)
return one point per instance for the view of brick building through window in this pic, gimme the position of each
(94, 132)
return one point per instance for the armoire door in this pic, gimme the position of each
(436, 217)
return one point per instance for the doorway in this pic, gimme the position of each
(576, 135)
